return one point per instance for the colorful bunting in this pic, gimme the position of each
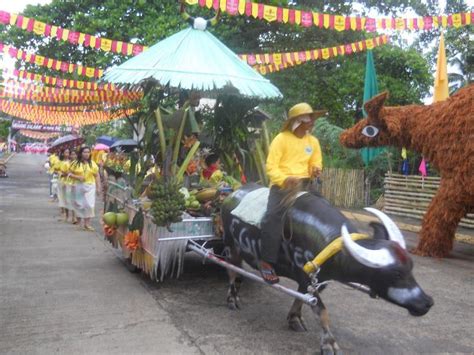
(303, 18)
(19, 87)
(38, 95)
(60, 82)
(271, 62)
(71, 36)
(38, 114)
(50, 63)
(38, 135)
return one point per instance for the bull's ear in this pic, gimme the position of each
(374, 106)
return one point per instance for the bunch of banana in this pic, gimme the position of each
(168, 203)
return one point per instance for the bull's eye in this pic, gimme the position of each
(370, 131)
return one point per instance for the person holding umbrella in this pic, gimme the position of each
(86, 174)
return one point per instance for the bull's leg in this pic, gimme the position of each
(440, 223)
(295, 319)
(233, 300)
(328, 343)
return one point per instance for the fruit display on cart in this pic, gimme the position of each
(168, 202)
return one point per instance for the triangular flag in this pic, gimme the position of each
(441, 89)
(370, 90)
(422, 168)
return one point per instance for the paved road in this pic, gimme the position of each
(64, 290)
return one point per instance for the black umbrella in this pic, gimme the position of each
(124, 145)
(66, 142)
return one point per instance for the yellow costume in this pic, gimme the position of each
(84, 202)
(292, 156)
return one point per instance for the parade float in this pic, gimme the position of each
(156, 203)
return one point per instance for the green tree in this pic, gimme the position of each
(4, 128)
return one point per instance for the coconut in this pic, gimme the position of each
(110, 218)
(122, 219)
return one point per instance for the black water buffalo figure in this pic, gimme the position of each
(311, 223)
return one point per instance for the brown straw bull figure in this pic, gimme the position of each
(444, 133)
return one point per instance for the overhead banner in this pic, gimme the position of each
(71, 36)
(24, 125)
(336, 22)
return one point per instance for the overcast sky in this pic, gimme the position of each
(19, 5)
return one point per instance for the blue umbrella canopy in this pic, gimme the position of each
(193, 59)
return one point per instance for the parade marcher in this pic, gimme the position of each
(86, 174)
(294, 158)
(61, 168)
(70, 188)
(52, 160)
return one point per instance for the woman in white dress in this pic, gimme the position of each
(86, 174)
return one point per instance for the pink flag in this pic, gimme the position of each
(422, 168)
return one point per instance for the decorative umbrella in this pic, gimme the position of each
(100, 146)
(193, 59)
(107, 140)
(69, 141)
(124, 145)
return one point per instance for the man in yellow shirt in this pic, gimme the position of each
(294, 158)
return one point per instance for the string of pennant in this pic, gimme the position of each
(60, 82)
(73, 37)
(270, 62)
(30, 95)
(50, 63)
(38, 114)
(304, 18)
(19, 87)
(37, 135)
(64, 99)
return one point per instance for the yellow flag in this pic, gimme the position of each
(441, 91)
(269, 13)
(241, 7)
(339, 23)
(81, 38)
(457, 20)
(39, 60)
(285, 15)
(255, 10)
(39, 27)
(106, 44)
(404, 153)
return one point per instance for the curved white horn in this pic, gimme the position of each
(371, 258)
(394, 232)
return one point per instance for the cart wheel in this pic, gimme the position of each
(130, 267)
